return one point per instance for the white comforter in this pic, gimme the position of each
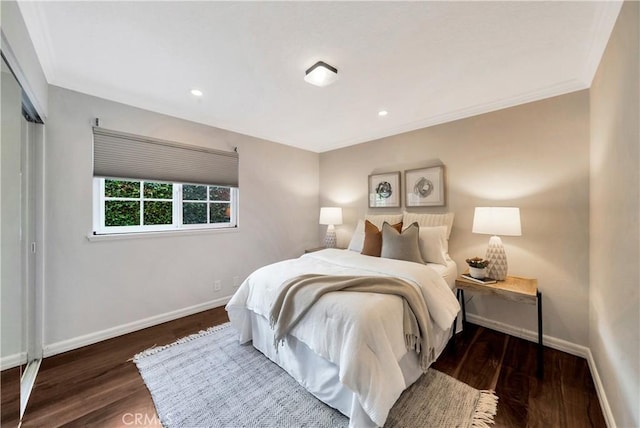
(359, 332)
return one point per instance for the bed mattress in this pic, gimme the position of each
(349, 350)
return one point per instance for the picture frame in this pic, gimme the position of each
(384, 190)
(424, 187)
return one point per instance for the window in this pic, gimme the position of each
(206, 204)
(125, 206)
(161, 190)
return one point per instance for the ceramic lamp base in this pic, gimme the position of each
(497, 268)
(330, 239)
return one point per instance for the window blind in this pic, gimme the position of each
(121, 155)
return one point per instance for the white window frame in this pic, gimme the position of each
(99, 200)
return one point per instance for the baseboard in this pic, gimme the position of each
(560, 345)
(13, 360)
(532, 336)
(604, 403)
(89, 339)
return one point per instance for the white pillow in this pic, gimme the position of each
(357, 239)
(429, 220)
(433, 244)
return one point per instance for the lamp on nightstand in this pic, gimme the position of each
(330, 216)
(497, 221)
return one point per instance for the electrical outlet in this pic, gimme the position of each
(217, 285)
(236, 281)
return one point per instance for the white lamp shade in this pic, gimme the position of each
(330, 215)
(503, 221)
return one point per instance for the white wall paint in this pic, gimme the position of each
(534, 156)
(21, 55)
(614, 316)
(96, 286)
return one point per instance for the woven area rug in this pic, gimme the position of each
(210, 380)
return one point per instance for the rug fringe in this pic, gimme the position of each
(486, 409)
(155, 349)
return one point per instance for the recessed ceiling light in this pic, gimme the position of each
(196, 92)
(383, 113)
(321, 74)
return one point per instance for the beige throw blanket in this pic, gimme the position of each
(298, 294)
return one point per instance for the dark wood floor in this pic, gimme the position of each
(98, 385)
(487, 359)
(10, 396)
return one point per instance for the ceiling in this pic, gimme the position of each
(423, 62)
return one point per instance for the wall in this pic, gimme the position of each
(22, 58)
(614, 316)
(98, 289)
(534, 156)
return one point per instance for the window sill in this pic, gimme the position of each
(160, 234)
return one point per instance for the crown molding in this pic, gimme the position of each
(38, 30)
(600, 34)
(550, 91)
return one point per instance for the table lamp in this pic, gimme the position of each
(330, 216)
(497, 221)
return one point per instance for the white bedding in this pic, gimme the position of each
(448, 272)
(366, 339)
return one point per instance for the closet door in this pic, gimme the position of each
(30, 337)
(12, 346)
(20, 323)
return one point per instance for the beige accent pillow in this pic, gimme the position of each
(401, 245)
(373, 238)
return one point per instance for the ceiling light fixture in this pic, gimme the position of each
(321, 74)
(196, 92)
(383, 113)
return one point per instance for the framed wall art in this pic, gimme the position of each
(425, 187)
(384, 190)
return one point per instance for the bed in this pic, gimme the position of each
(349, 351)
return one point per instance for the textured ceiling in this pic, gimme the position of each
(423, 62)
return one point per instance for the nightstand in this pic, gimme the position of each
(313, 250)
(522, 290)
